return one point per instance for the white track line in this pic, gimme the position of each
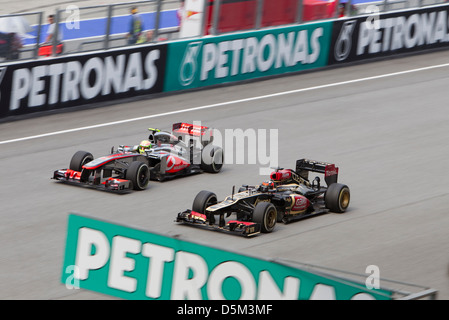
(221, 104)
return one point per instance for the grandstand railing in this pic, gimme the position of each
(106, 26)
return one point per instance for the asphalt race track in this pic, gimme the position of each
(387, 134)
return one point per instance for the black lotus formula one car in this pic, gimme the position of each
(287, 196)
(187, 150)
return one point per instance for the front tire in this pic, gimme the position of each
(139, 174)
(265, 214)
(337, 197)
(79, 159)
(203, 200)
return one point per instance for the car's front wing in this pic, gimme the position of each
(74, 177)
(243, 228)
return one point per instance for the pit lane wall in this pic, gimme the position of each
(83, 79)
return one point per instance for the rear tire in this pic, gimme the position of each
(79, 159)
(212, 158)
(265, 214)
(139, 174)
(337, 197)
(203, 200)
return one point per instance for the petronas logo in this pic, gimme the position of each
(343, 44)
(189, 65)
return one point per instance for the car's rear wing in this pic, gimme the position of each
(190, 129)
(330, 171)
(204, 133)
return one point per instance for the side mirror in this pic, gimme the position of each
(317, 185)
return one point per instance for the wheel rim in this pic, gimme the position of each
(86, 160)
(271, 218)
(217, 166)
(344, 199)
(210, 202)
(142, 176)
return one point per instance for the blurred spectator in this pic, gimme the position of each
(4, 44)
(51, 31)
(146, 36)
(149, 35)
(345, 10)
(341, 10)
(180, 13)
(136, 27)
(16, 44)
(10, 44)
(12, 31)
(46, 49)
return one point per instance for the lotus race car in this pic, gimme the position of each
(187, 150)
(287, 196)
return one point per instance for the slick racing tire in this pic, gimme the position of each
(212, 158)
(79, 159)
(203, 200)
(337, 197)
(265, 214)
(139, 174)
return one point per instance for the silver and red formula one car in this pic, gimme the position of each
(188, 149)
(287, 196)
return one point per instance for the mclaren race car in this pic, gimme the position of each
(288, 195)
(188, 149)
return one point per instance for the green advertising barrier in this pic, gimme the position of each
(134, 264)
(249, 55)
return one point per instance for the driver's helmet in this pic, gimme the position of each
(143, 146)
(268, 185)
